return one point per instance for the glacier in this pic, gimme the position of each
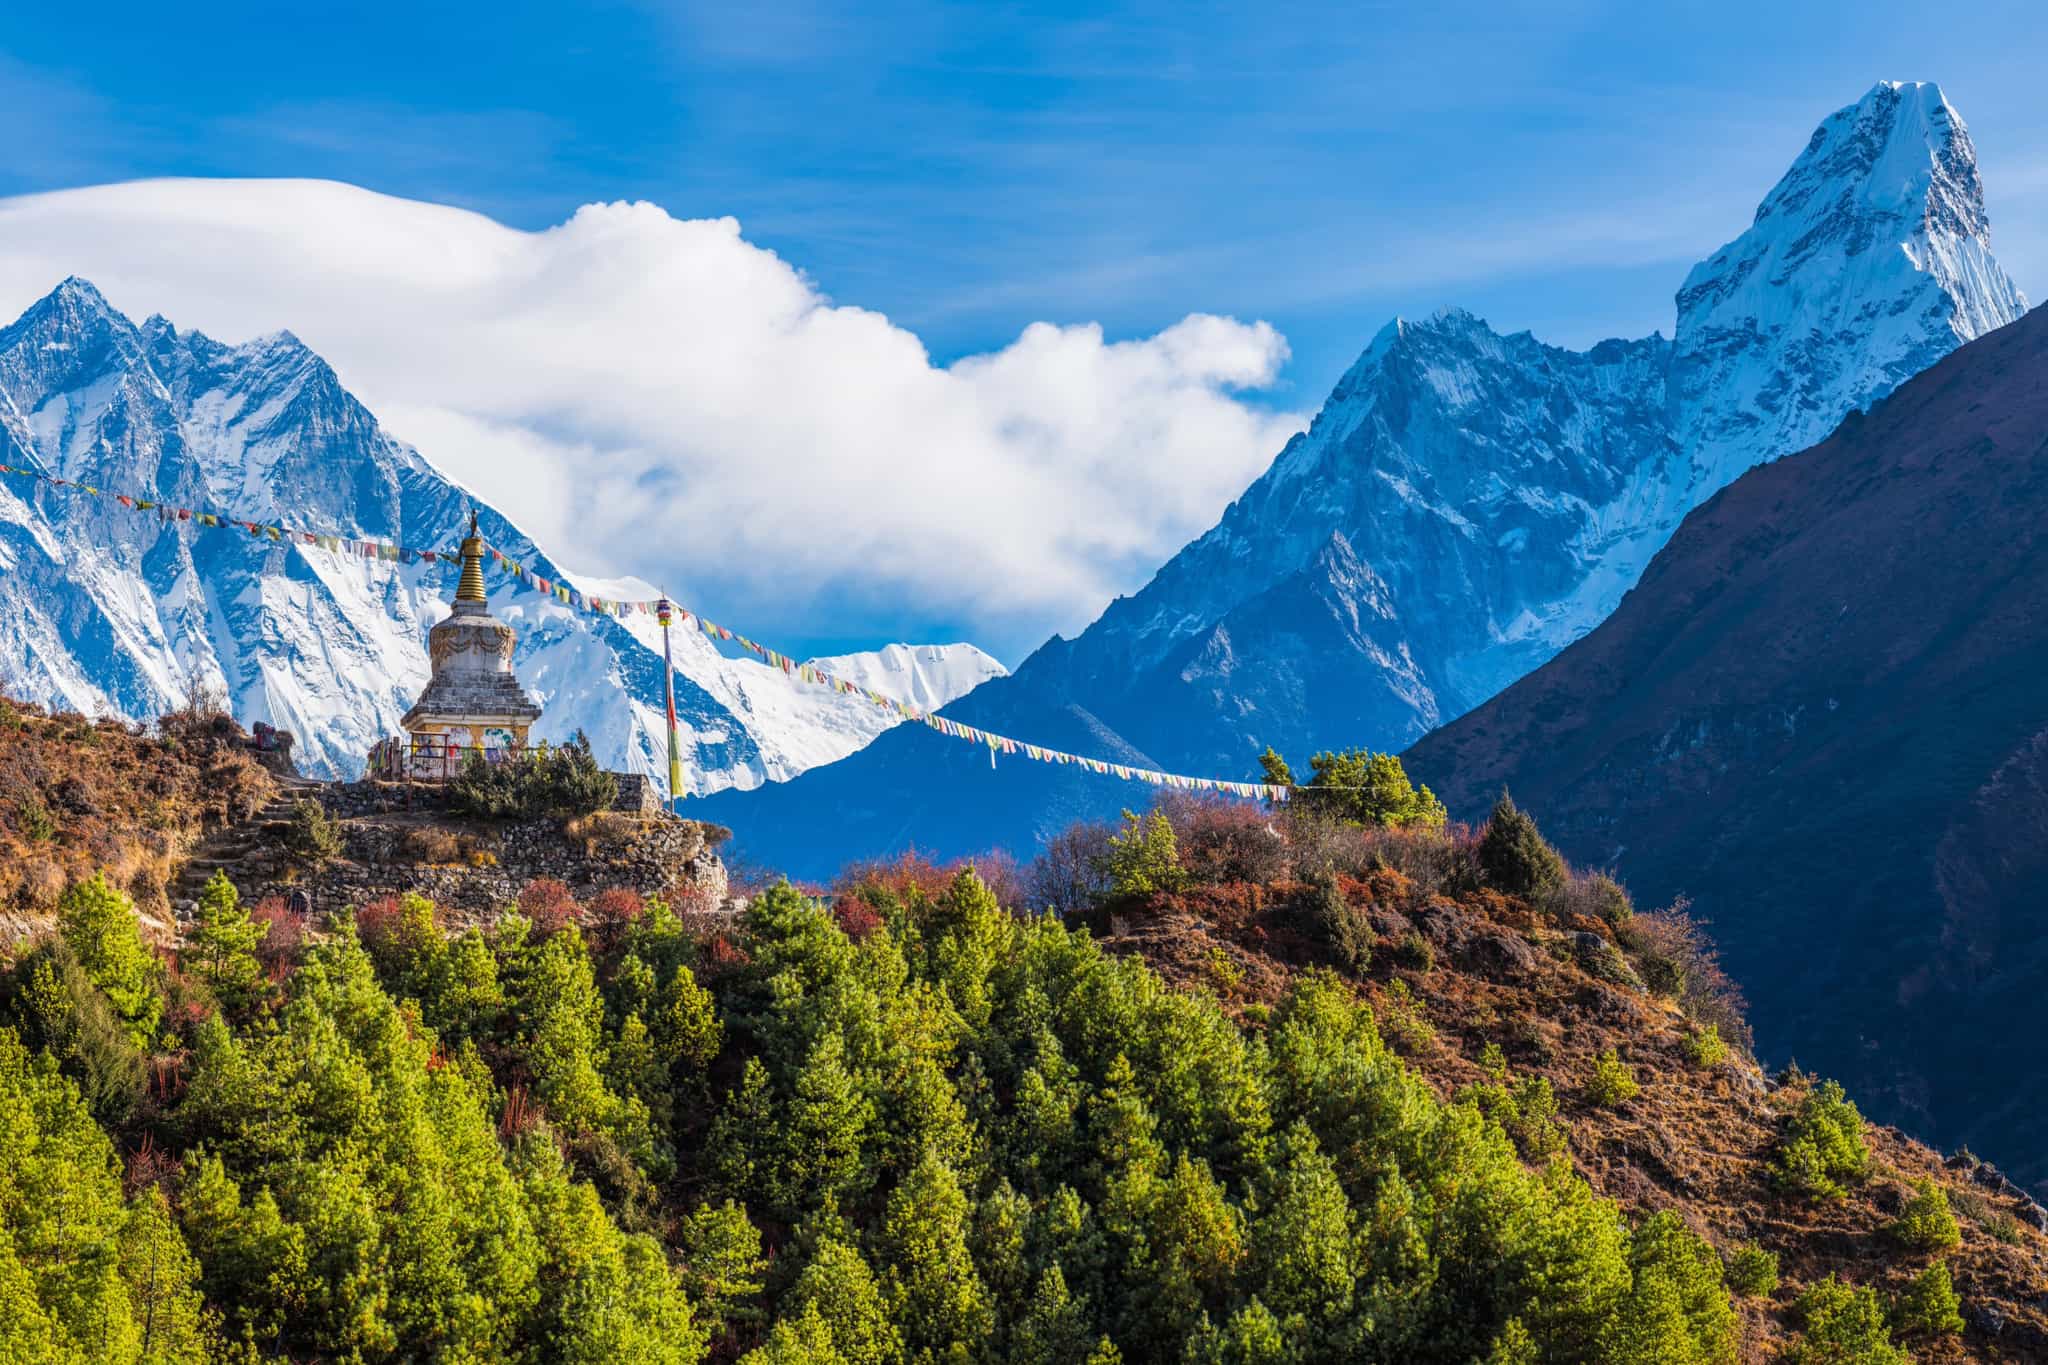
(111, 612)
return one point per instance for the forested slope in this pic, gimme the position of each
(1257, 1089)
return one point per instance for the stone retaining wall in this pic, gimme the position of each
(399, 837)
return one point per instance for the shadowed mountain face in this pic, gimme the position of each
(1821, 715)
(1464, 505)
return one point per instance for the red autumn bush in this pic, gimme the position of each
(908, 873)
(611, 912)
(284, 936)
(721, 954)
(855, 917)
(377, 923)
(1222, 840)
(548, 904)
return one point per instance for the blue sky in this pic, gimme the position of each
(969, 170)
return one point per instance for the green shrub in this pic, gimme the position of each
(1402, 1019)
(1704, 1047)
(312, 834)
(1753, 1272)
(64, 1014)
(1926, 1224)
(1597, 896)
(1515, 858)
(1142, 857)
(1336, 924)
(563, 780)
(1415, 953)
(1526, 1111)
(1929, 1307)
(1822, 1145)
(1609, 901)
(34, 820)
(1359, 787)
(1843, 1326)
(572, 782)
(1612, 1083)
(493, 791)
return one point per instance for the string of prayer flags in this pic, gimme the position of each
(995, 743)
(387, 552)
(346, 545)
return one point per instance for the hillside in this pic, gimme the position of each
(1465, 504)
(79, 796)
(1264, 1089)
(1819, 717)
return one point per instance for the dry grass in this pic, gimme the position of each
(439, 846)
(606, 833)
(78, 796)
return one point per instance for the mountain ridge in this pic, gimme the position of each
(1503, 494)
(1818, 717)
(112, 613)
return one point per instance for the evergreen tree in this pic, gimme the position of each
(98, 925)
(224, 943)
(1361, 787)
(722, 1260)
(1925, 1223)
(1930, 1307)
(84, 1275)
(1142, 858)
(1677, 1310)
(1515, 857)
(935, 1296)
(1303, 1237)
(838, 1286)
(1054, 1328)
(1822, 1146)
(1844, 1326)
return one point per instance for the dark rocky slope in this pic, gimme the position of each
(1821, 716)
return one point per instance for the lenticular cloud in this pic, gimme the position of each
(657, 395)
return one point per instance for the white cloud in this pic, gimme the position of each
(660, 397)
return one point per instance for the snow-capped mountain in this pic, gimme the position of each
(1467, 503)
(106, 610)
(1507, 493)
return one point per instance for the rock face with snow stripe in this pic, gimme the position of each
(1495, 498)
(108, 610)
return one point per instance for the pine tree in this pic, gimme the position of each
(224, 942)
(722, 1260)
(1515, 857)
(1142, 857)
(840, 1288)
(98, 925)
(1930, 1307)
(1303, 1236)
(1054, 1329)
(935, 1296)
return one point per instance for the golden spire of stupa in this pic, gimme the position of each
(471, 588)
